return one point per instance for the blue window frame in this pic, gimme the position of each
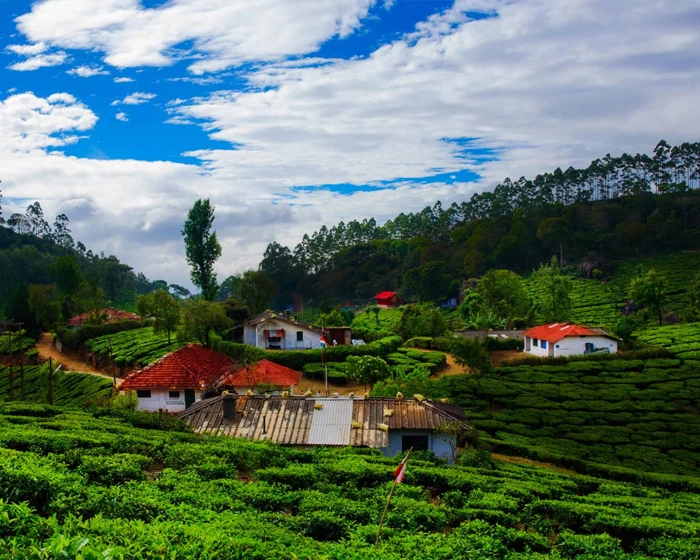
(544, 345)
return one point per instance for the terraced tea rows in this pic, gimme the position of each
(69, 389)
(90, 486)
(139, 346)
(682, 339)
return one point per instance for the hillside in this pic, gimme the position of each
(96, 486)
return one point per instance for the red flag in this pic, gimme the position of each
(400, 471)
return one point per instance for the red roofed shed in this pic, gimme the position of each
(387, 299)
(264, 371)
(178, 379)
(563, 339)
(113, 315)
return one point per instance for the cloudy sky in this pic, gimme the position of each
(292, 114)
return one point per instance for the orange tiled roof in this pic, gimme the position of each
(114, 315)
(263, 371)
(190, 367)
(556, 331)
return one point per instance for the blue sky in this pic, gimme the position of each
(289, 115)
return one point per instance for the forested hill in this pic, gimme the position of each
(26, 259)
(616, 208)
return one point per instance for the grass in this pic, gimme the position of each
(138, 346)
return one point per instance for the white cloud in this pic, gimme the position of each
(27, 50)
(136, 98)
(29, 123)
(121, 117)
(123, 80)
(39, 61)
(223, 33)
(88, 71)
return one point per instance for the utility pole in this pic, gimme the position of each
(21, 358)
(50, 381)
(12, 375)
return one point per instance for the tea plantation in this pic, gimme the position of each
(638, 414)
(683, 340)
(69, 389)
(94, 485)
(138, 346)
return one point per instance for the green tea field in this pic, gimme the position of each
(93, 485)
(138, 346)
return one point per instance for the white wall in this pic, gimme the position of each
(575, 345)
(160, 400)
(537, 350)
(255, 336)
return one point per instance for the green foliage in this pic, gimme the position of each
(202, 248)
(67, 275)
(682, 340)
(257, 290)
(201, 320)
(503, 294)
(650, 291)
(367, 369)
(164, 310)
(694, 299)
(335, 318)
(555, 302)
(80, 485)
(418, 321)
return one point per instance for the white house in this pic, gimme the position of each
(277, 332)
(178, 379)
(563, 339)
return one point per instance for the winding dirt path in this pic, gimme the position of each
(68, 360)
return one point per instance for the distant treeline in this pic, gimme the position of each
(617, 207)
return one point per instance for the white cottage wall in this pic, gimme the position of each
(160, 400)
(576, 345)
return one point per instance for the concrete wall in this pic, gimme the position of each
(530, 347)
(255, 336)
(437, 443)
(160, 400)
(575, 345)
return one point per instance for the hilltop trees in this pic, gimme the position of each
(202, 248)
(504, 295)
(256, 290)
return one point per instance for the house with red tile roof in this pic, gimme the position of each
(564, 339)
(178, 379)
(263, 372)
(111, 315)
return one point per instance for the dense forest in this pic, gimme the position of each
(616, 208)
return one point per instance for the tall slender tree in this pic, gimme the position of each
(201, 247)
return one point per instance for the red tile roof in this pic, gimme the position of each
(385, 295)
(556, 331)
(114, 315)
(263, 371)
(190, 367)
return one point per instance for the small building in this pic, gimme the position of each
(336, 336)
(392, 425)
(179, 379)
(110, 315)
(277, 332)
(349, 306)
(387, 299)
(563, 339)
(263, 372)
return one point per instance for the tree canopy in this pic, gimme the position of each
(202, 248)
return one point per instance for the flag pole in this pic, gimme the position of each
(386, 508)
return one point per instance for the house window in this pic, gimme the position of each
(174, 394)
(544, 345)
(274, 339)
(143, 393)
(300, 336)
(419, 443)
(535, 342)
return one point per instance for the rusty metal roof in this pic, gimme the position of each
(296, 421)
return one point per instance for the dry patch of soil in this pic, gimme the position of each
(69, 360)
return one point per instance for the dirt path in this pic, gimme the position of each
(69, 361)
(530, 462)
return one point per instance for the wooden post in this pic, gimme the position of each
(386, 508)
(50, 381)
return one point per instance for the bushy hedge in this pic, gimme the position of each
(73, 339)
(297, 359)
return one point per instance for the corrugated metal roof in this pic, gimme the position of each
(291, 421)
(331, 424)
